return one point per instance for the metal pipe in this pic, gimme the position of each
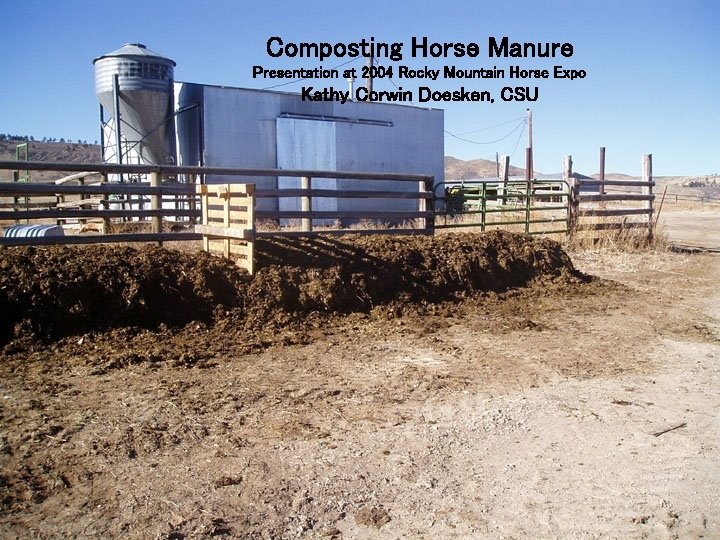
(102, 132)
(116, 112)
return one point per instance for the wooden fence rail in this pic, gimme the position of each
(590, 212)
(228, 221)
(114, 200)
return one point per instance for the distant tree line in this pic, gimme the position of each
(30, 138)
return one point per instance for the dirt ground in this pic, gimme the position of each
(693, 228)
(475, 387)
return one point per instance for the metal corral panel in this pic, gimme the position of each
(239, 128)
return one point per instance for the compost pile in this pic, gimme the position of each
(50, 292)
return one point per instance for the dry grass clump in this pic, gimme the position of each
(621, 239)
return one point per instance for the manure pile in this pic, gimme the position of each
(51, 292)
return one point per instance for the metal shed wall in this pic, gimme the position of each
(238, 128)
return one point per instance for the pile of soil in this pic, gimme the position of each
(51, 292)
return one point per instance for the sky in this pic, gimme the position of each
(652, 83)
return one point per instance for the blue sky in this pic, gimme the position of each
(652, 84)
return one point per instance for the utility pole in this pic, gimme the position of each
(369, 80)
(529, 121)
(530, 145)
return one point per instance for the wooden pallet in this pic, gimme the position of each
(228, 221)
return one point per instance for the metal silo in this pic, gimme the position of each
(136, 84)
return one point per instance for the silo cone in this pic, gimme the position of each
(145, 84)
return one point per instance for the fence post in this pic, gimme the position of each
(483, 207)
(192, 199)
(528, 161)
(428, 204)
(648, 190)
(528, 197)
(573, 195)
(81, 181)
(504, 174)
(155, 204)
(423, 202)
(306, 202)
(105, 203)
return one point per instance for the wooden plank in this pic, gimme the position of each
(224, 207)
(235, 215)
(173, 170)
(76, 176)
(235, 223)
(647, 176)
(81, 202)
(224, 232)
(237, 245)
(250, 262)
(599, 212)
(218, 205)
(216, 247)
(100, 239)
(343, 194)
(110, 188)
(222, 190)
(298, 214)
(226, 218)
(236, 202)
(628, 183)
(544, 232)
(611, 197)
(611, 226)
(340, 232)
(306, 203)
(423, 206)
(243, 250)
(88, 213)
(48, 205)
(155, 203)
(242, 189)
(201, 189)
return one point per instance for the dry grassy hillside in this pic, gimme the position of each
(457, 169)
(51, 152)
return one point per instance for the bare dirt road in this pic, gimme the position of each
(697, 228)
(557, 408)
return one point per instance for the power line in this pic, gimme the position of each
(491, 127)
(518, 140)
(392, 81)
(520, 124)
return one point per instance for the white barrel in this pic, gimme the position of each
(33, 231)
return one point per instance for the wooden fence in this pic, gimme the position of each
(110, 201)
(670, 198)
(619, 211)
(561, 206)
(570, 205)
(228, 221)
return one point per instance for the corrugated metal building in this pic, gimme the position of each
(238, 127)
(164, 121)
